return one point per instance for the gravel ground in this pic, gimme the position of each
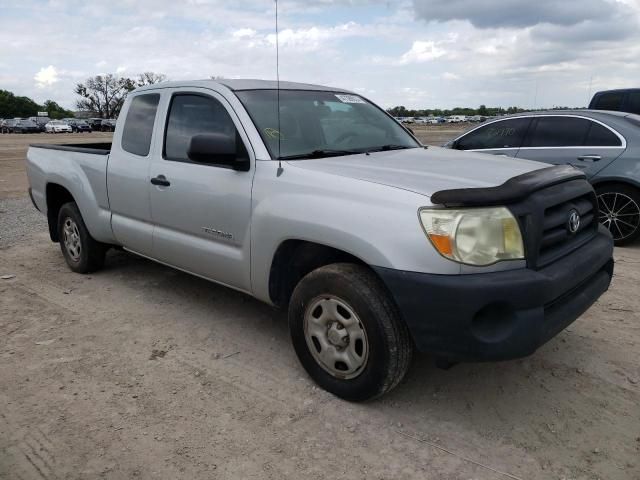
(19, 219)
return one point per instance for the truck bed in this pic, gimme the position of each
(94, 148)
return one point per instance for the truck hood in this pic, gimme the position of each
(424, 171)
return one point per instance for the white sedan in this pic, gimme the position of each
(57, 126)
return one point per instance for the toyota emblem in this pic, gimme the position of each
(573, 224)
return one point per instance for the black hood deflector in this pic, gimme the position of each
(513, 190)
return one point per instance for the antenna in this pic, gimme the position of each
(278, 89)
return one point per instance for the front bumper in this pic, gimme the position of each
(500, 315)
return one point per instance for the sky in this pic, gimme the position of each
(420, 53)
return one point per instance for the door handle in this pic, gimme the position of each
(589, 158)
(161, 181)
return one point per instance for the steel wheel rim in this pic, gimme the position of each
(619, 213)
(71, 238)
(336, 337)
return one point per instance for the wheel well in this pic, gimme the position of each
(296, 258)
(607, 183)
(57, 196)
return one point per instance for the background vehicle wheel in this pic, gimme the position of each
(82, 253)
(347, 332)
(619, 207)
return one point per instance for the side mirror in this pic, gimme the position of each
(217, 149)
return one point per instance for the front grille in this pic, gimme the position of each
(544, 217)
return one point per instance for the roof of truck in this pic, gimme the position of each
(242, 84)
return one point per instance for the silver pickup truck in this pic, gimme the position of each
(314, 199)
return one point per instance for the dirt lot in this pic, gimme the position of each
(140, 371)
(13, 147)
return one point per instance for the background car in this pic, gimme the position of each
(58, 126)
(40, 121)
(78, 126)
(94, 123)
(605, 145)
(25, 126)
(108, 125)
(5, 125)
(623, 100)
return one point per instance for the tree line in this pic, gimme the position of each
(103, 96)
(12, 106)
(482, 110)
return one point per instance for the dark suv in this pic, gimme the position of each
(623, 100)
(18, 125)
(77, 125)
(108, 125)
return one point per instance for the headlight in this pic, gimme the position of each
(475, 236)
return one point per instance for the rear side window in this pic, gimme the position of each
(609, 101)
(191, 115)
(559, 132)
(633, 102)
(138, 127)
(600, 136)
(502, 134)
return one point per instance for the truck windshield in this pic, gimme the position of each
(315, 124)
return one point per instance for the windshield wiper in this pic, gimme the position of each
(390, 146)
(319, 154)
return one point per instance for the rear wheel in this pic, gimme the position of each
(347, 332)
(81, 251)
(619, 211)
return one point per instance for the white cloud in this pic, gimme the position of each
(450, 76)
(46, 76)
(314, 37)
(121, 69)
(422, 52)
(244, 32)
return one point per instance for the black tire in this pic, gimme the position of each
(389, 345)
(91, 252)
(623, 201)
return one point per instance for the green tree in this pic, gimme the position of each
(13, 106)
(150, 78)
(56, 111)
(103, 94)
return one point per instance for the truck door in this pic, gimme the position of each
(201, 211)
(128, 174)
(582, 142)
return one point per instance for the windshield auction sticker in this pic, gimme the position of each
(350, 99)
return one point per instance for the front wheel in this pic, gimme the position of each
(619, 211)
(347, 332)
(81, 251)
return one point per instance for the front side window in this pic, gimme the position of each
(559, 132)
(138, 126)
(500, 134)
(316, 123)
(191, 115)
(609, 101)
